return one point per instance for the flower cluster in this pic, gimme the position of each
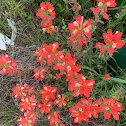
(47, 52)
(28, 104)
(47, 93)
(47, 14)
(78, 82)
(85, 109)
(79, 31)
(53, 116)
(45, 107)
(81, 86)
(39, 73)
(48, 99)
(7, 65)
(52, 55)
(110, 107)
(21, 91)
(102, 8)
(112, 41)
(66, 64)
(28, 120)
(60, 101)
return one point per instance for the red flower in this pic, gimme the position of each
(102, 5)
(7, 65)
(22, 91)
(48, 52)
(110, 3)
(102, 49)
(47, 14)
(53, 116)
(29, 119)
(28, 103)
(80, 30)
(105, 13)
(101, 46)
(17, 91)
(22, 121)
(84, 109)
(46, 10)
(111, 51)
(82, 40)
(107, 115)
(60, 101)
(46, 107)
(113, 41)
(110, 107)
(95, 10)
(107, 76)
(76, 26)
(39, 73)
(82, 87)
(47, 24)
(47, 93)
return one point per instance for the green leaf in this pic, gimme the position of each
(116, 8)
(1, 3)
(118, 80)
(88, 68)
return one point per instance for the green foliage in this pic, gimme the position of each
(119, 20)
(70, 99)
(9, 115)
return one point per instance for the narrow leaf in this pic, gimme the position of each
(118, 80)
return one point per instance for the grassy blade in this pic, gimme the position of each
(88, 68)
(118, 80)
